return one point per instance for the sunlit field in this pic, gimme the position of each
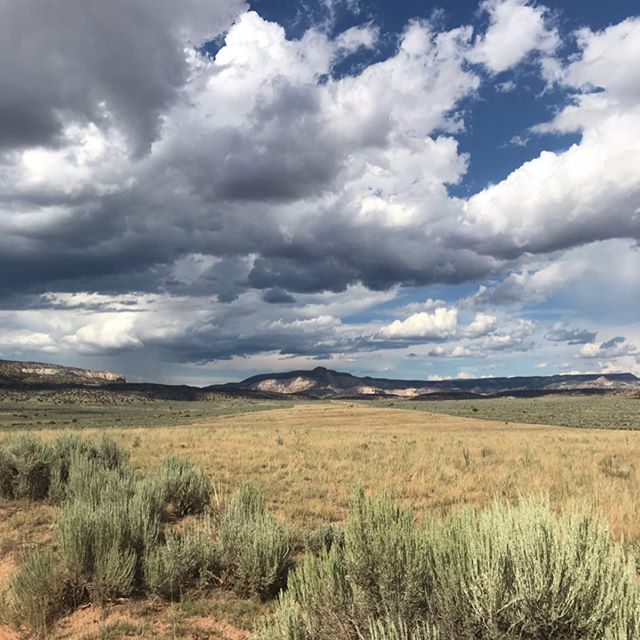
(308, 459)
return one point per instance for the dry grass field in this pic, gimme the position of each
(307, 459)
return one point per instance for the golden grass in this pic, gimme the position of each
(308, 458)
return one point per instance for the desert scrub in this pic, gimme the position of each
(392, 629)
(521, 571)
(37, 594)
(256, 548)
(34, 470)
(189, 559)
(25, 469)
(105, 529)
(183, 487)
(498, 574)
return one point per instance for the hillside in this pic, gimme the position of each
(321, 383)
(14, 372)
(316, 383)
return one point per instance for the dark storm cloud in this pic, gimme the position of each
(83, 59)
(278, 296)
(611, 344)
(561, 333)
(205, 178)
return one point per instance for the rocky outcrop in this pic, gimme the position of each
(15, 372)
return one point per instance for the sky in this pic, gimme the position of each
(197, 191)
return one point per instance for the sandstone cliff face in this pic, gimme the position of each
(14, 372)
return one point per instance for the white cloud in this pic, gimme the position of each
(425, 326)
(482, 324)
(516, 28)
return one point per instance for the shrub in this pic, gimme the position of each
(37, 593)
(388, 568)
(25, 469)
(8, 472)
(500, 574)
(103, 538)
(519, 572)
(187, 560)
(31, 469)
(256, 549)
(183, 487)
(318, 603)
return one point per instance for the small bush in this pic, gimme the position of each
(25, 469)
(37, 593)
(33, 470)
(188, 559)
(387, 566)
(500, 574)
(103, 538)
(256, 549)
(184, 487)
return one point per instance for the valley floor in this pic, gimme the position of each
(308, 458)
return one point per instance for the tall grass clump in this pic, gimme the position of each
(36, 595)
(504, 573)
(256, 548)
(183, 487)
(189, 559)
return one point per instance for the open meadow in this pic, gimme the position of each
(307, 459)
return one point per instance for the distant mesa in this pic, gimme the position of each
(14, 372)
(325, 383)
(320, 383)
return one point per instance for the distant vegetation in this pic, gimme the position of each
(596, 412)
(100, 408)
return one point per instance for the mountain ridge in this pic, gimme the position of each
(316, 383)
(323, 382)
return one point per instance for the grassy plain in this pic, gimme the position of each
(307, 458)
(599, 412)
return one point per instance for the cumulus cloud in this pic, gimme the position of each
(116, 64)
(251, 200)
(482, 324)
(424, 326)
(516, 28)
(614, 348)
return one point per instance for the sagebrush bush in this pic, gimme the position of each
(520, 572)
(184, 487)
(37, 593)
(35, 470)
(104, 536)
(389, 570)
(500, 574)
(256, 548)
(188, 559)
(25, 469)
